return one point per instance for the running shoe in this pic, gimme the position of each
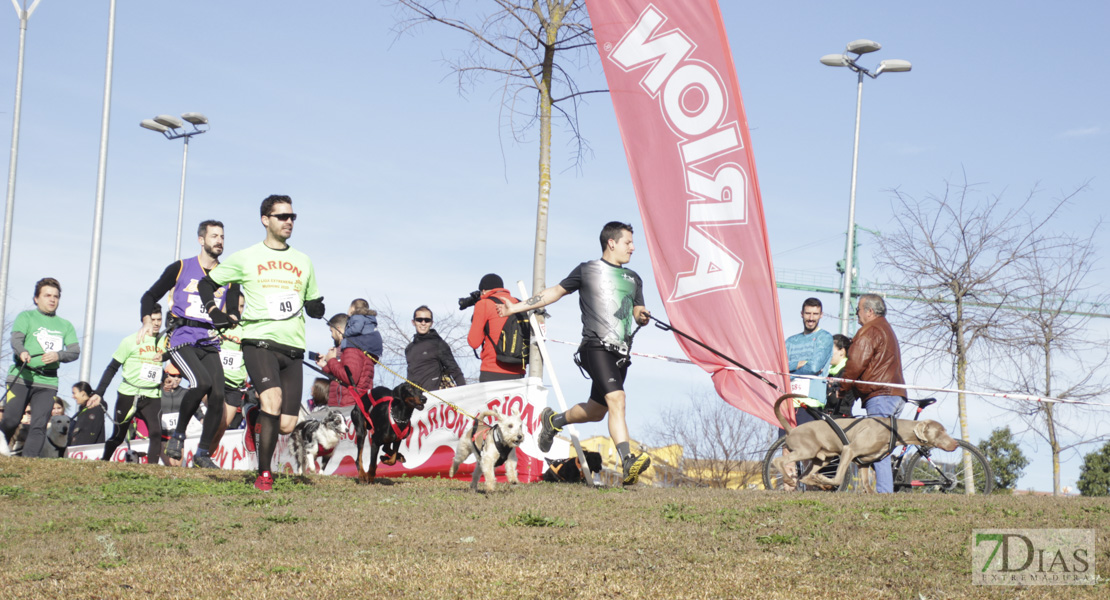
(635, 465)
(174, 447)
(547, 430)
(204, 461)
(265, 482)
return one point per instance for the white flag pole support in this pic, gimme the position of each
(538, 339)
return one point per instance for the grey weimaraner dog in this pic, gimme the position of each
(868, 440)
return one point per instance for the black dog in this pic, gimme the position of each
(390, 412)
(567, 470)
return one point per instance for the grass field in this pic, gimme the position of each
(75, 529)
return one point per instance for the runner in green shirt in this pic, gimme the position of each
(140, 392)
(40, 340)
(235, 375)
(279, 285)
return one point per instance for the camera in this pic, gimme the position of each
(467, 301)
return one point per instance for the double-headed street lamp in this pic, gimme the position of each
(24, 15)
(859, 48)
(169, 126)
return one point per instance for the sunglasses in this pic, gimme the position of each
(284, 216)
(422, 320)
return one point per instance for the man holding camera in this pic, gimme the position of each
(486, 327)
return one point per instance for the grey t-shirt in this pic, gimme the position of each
(608, 294)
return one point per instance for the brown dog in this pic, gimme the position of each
(868, 440)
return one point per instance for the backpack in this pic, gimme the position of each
(516, 336)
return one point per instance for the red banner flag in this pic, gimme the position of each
(682, 120)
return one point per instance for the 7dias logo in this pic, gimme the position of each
(1033, 557)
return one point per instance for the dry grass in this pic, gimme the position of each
(91, 530)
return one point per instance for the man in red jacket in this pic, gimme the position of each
(351, 368)
(485, 330)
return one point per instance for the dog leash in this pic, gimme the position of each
(668, 327)
(457, 408)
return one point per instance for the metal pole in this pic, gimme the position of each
(98, 213)
(9, 210)
(846, 293)
(181, 202)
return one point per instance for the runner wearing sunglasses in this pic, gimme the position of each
(279, 285)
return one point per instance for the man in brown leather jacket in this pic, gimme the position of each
(874, 356)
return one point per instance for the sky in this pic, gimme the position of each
(408, 190)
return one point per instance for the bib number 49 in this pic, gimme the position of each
(283, 305)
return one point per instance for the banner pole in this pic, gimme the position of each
(538, 340)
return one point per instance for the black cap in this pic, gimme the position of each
(491, 282)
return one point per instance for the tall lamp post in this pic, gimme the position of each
(859, 48)
(169, 126)
(24, 15)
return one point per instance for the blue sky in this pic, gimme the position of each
(407, 189)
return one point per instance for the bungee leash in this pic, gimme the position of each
(457, 408)
(668, 327)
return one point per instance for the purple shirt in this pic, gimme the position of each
(186, 303)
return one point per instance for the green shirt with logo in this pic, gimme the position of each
(231, 355)
(45, 333)
(275, 285)
(141, 366)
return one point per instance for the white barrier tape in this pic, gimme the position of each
(1003, 395)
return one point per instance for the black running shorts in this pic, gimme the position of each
(233, 396)
(606, 369)
(269, 369)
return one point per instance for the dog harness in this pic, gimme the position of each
(401, 433)
(894, 437)
(479, 434)
(323, 452)
(557, 467)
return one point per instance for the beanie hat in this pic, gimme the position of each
(491, 282)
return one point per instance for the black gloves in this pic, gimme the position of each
(315, 308)
(219, 318)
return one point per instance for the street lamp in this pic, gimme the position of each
(859, 48)
(169, 126)
(24, 15)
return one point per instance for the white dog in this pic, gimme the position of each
(493, 444)
(312, 439)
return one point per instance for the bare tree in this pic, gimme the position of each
(720, 443)
(956, 256)
(531, 47)
(1055, 328)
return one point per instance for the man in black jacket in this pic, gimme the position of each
(429, 357)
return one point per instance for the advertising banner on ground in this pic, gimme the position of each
(678, 106)
(428, 451)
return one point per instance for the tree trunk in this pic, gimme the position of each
(539, 261)
(961, 399)
(1050, 422)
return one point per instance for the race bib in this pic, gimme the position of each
(49, 341)
(195, 309)
(231, 359)
(150, 373)
(283, 305)
(799, 386)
